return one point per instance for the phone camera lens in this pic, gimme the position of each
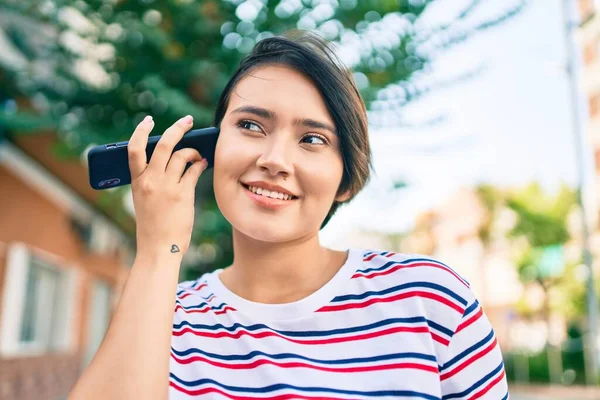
(109, 182)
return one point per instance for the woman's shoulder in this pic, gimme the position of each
(414, 270)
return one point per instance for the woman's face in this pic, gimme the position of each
(277, 163)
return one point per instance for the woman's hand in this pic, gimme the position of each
(163, 196)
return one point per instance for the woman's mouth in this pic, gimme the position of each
(267, 198)
(269, 193)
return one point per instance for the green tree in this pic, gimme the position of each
(542, 224)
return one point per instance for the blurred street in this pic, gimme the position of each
(518, 392)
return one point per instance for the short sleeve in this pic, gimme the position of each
(473, 366)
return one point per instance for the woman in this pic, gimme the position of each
(289, 319)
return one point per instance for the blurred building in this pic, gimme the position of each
(451, 234)
(63, 260)
(454, 238)
(588, 37)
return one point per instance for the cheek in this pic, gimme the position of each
(322, 178)
(230, 155)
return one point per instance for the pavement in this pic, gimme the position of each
(528, 397)
(554, 392)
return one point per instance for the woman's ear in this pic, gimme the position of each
(343, 197)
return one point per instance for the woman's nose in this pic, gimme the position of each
(275, 159)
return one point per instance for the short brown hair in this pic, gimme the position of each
(314, 57)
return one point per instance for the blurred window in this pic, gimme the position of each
(594, 104)
(38, 304)
(591, 52)
(40, 308)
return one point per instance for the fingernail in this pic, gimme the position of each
(147, 119)
(188, 119)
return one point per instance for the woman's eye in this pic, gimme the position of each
(314, 139)
(251, 126)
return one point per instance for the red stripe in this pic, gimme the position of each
(469, 361)
(488, 387)
(468, 322)
(260, 335)
(389, 255)
(258, 363)
(192, 288)
(411, 265)
(224, 310)
(401, 296)
(439, 339)
(204, 310)
(199, 392)
(372, 256)
(192, 311)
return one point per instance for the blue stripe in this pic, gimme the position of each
(470, 309)
(190, 287)
(505, 396)
(201, 305)
(409, 261)
(440, 328)
(283, 356)
(256, 327)
(399, 288)
(301, 389)
(469, 350)
(476, 385)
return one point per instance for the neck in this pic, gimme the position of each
(276, 273)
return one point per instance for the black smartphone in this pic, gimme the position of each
(108, 164)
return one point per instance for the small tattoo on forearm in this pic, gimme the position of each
(174, 249)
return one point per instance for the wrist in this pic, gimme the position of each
(159, 256)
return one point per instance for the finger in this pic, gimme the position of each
(191, 176)
(136, 148)
(179, 160)
(169, 139)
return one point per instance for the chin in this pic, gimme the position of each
(266, 231)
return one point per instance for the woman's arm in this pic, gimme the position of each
(133, 360)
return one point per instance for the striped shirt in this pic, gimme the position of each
(386, 326)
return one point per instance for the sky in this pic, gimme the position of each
(509, 125)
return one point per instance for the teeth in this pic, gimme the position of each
(268, 193)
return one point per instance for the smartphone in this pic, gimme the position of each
(108, 164)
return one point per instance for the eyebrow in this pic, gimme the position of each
(268, 114)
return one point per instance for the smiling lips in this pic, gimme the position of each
(270, 193)
(273, 199)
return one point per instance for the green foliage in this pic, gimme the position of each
(491, 198)
(542, 218)
(572, 361)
